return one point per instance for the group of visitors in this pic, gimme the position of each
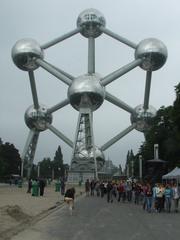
(36, 186)
(154, 198)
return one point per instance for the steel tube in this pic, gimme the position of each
(75, 139)
(147, 90)
(60, 39)
(33, 89)
(140, 167)
(94, 152)
(60, 135)
(118, 73)
(29, 148)
(91, 55)
(28, 141)
(117, 137)
(62, 72)
(114, 100)
(58, 106)
(119, 38)
(48, 67)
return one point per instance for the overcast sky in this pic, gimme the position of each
(44, 20)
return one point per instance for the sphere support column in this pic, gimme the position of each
(29, 152)
(84, 163)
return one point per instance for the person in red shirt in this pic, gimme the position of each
(149, 197)
(121, 191)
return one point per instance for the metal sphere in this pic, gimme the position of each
(153, 52)
(84, 159)
(90, 21)
(142, 118)
(37, 119)
(100, 158)
(86, 91)
(24, 53)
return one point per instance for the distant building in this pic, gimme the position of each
(107, 170)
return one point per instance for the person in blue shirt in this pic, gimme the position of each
(168, 193)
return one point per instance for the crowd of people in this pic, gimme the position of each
(36, 186)
(153, 198)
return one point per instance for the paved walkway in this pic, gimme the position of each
(95, 219)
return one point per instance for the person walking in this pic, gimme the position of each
(137, 192)
(176, 196)
(148, 196)
(69, 198)
(113, 192)
(41, 186)
(129, 191)
(154, 197)
(168, 194)
(97, 188)
(87, 187)
(159, 197)
(92, 187)
(29, 185)
(102, 189)
(121, 191)
(145, 187)
(109, 189)
(62, 186)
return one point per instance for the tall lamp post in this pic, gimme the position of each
(140, 167)
(132, 168)
(38, 170)
(127, 171)
(22, 167)
(59, 170)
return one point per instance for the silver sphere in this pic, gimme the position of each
(37, 119)
(100, 158)
(86, 91)
(153, 52)
(25, 52)
(84, 159)
(142, 118)
(90, 21)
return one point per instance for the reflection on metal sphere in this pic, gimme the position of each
(153, 52)
(24, 52)
(86, 92)
(90, 21)
(84, 159)
(37, 119)
(143, 118)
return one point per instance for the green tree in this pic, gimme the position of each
(58, 165)
(46, 168)
(2, 161)
(10, 160)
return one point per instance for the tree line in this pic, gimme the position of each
(10, 160)
(10, 163)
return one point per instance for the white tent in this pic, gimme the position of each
(174, 174)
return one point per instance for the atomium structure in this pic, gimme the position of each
(86, 93)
